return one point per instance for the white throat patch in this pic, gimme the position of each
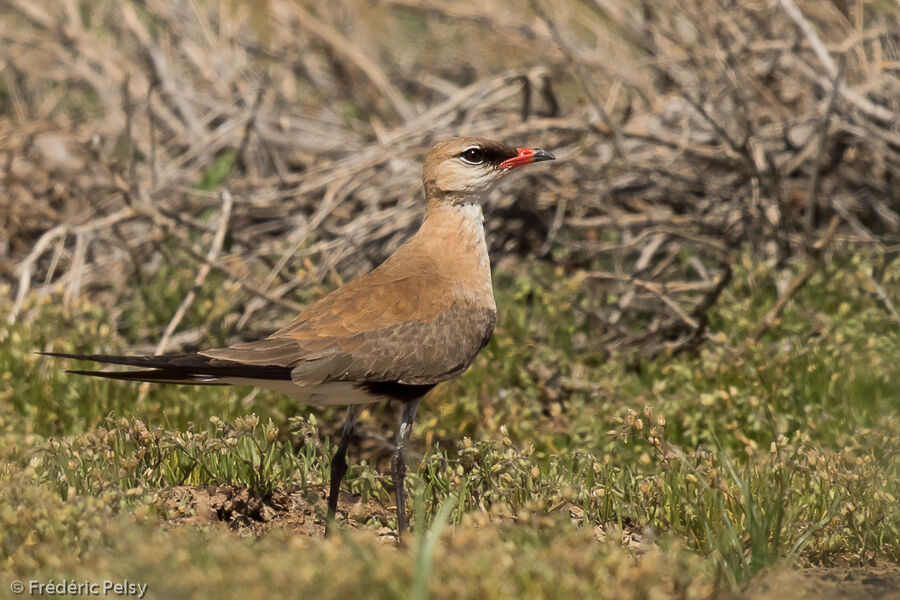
(470, 212)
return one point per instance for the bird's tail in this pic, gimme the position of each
(192, 369)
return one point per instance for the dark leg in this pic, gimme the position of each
(398, 463)
(339, 462)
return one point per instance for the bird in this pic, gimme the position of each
(418, 319)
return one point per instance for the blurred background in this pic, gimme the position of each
(684, 135)
(702, 288)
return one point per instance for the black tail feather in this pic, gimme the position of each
(159, 361)
(179, 368)
(152, 376)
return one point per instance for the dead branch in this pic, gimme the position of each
(205, 268)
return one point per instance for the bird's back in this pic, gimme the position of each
(418, 319)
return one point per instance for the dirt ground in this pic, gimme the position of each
(878, 582)
(247, 514)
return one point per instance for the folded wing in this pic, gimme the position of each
(414, 329)
(411, 330)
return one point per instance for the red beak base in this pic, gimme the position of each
(526, 156)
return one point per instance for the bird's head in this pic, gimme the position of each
(463, 170)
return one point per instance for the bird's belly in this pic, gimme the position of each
(321, 394)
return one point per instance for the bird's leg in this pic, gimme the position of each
(339, 462)
(398, 463)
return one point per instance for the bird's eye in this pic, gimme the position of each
(473, 156)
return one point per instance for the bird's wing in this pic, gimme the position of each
(411, 328)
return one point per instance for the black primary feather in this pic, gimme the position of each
(177, 367)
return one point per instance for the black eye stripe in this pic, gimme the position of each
(477, 155)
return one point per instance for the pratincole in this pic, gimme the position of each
(418, 319)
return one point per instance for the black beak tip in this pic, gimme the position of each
(540, 155)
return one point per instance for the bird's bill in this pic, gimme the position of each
(526, 156)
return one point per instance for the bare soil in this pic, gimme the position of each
(248, 514)
(875, 582)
